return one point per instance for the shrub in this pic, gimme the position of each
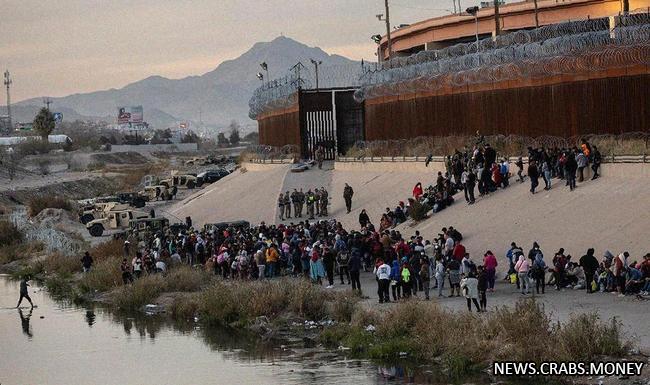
(38, 204)
(10, 234)
(62, 264)
(104, 275)
(59, 287)
(141, 292)
(185, 278)
(343, 307)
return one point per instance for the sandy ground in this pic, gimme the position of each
(632, 312)
(611, 213)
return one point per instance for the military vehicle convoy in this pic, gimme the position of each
(182, 180)
(116, 218)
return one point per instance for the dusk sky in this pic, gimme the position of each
(69, 46)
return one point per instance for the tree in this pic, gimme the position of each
(222, 141)
(252, 137)
(234, 133)
(44, 123)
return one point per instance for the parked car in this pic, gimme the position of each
(211, 176)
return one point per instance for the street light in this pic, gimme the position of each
(474, 12)
(316, 64)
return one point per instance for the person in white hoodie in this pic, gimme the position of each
(382, 271)
(522, 268)
(469, 286)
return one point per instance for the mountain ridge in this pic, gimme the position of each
(216, 97)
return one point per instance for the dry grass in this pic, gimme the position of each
(38, 204)
(9, 234)
(522, 332)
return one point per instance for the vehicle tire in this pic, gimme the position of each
(174, 191)
(139, 203)
(190, 185)
(199, 183)
(96, 230)
(87, 218)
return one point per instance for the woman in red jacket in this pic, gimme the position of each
(417, 191)
(490, 265)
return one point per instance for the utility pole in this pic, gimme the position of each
(7, 83)
(497, 22)
(390, 42)
(47, 102)
(536, 14)
(626, 7)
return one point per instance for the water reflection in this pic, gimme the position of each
(24, 322)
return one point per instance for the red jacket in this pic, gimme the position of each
(459, 251)
(490, 262)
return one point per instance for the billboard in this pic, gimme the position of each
(126, 115)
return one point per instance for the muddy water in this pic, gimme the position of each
(61, 344)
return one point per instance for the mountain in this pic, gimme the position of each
(220, 95)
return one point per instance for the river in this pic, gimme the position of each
(58, 343)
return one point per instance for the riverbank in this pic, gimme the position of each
(293, 308)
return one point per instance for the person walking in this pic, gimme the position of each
(348, 192)
(482, 288)
(589, 265)
(320, 157)
(469, 286)
(522, 268)
(533, 174)
(520, 169)
(440, 274)
(382, 272)
(364, 219)
(597, 160)
(470, 183)
(538, 272)
(86, 262)
(23, 292)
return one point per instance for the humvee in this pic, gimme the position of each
(98, 210)
(158, 192)
(184, 180)
(114, 220)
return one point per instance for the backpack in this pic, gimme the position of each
(471, 265)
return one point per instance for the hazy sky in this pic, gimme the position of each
(61, 47)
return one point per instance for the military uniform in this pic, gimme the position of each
(301, 201)
(296, 204)
(281, 206)
(323, 202)
(311, 199)
(317, 201)
(287, 205)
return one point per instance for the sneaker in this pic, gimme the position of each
(329, 286)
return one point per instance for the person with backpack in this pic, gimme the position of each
(342, 259)
(538, 272)
(396, 280)
(467, 266)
